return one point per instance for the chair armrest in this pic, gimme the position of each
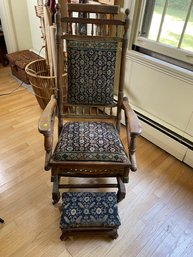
(45, 121)
(131, 118)
(133, 129)
(46, 127)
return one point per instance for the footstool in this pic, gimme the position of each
(89, 213)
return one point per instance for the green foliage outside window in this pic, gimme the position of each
(176, 4)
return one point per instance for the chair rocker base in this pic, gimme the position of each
(121, 193)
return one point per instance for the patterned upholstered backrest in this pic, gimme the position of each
(96, 44)
(91, 72)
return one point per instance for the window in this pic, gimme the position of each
(165, 30)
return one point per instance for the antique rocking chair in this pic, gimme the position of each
(89, 144)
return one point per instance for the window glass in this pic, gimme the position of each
(169, 22)
(156, 19)
(165, 31)
(187, 42)
(174, 21)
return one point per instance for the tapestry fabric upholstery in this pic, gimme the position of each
(87, 209)
(91, 72)
(89, 141)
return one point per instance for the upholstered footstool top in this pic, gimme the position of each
(89, 209)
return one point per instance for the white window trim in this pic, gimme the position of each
(167, 50)
(162, 66)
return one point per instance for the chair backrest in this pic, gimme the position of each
(95, 41)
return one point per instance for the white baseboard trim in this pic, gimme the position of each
(165, 142)
(188, 158)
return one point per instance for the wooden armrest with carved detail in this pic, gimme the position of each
(46, 127)
(45, 121)
(133, 128)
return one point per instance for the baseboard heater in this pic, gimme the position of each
(165, 130)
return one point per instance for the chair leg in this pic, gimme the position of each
(126, 180)
(121, 190)
(1, 220)
(55, 191)
(126, 175)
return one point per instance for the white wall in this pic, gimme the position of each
(163, 93)
(34, 25)
(8, 27)
(20, 24)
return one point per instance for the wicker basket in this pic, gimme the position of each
(43, 84)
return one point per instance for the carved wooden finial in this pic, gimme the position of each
(57, 15)
(57, 7)
(127, 20)
(127, 11)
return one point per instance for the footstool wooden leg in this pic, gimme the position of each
(63, 237)
(114, 234)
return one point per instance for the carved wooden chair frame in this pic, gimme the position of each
(104, 27)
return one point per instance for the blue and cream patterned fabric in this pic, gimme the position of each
(83, 209)
(89, 141)
(91, 70)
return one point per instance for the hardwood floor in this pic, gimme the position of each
(156, 216)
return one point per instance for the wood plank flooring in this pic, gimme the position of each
(156, 216)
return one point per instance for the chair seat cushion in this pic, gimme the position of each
(89, 209)
(89, 141)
